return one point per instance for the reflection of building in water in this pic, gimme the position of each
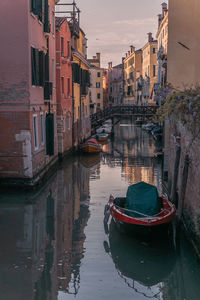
(136, 148)
(73, 214)
(40, 234)
(132, 141)
(184, 281)
(136, 172)
(27, 255)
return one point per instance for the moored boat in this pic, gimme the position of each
(142, 208)
(102, 137)
(91, 146)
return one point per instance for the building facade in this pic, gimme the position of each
(132, 71)
(162, 38)
(184, 46)
(63, 86)
(145, 83)
(115, 84)
(28, 94)
(96, 84)
(81, 83)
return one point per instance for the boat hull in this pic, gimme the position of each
(90, 148)
(102, 137)
(154, 224)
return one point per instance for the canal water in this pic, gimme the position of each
(55, 245)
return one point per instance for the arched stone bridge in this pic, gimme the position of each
(122, 111)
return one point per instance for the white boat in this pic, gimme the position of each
(106, 128)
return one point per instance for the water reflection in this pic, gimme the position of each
(52, 239)
(43, 236)
(142, 264)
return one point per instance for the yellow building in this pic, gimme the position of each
(96, 84)
(81, 82)
(162, 38)
(149, 68)
(184, 43)
(132, 70)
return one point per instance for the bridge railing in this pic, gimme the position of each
(132, 110)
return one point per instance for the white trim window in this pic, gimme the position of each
(35, 131)
(42, 128)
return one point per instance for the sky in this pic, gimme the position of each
(111, 26)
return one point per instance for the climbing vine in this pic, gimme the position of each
(183, 106)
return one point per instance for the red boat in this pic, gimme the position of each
(132, 220)
(91, 146)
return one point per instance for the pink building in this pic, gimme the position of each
(28, 143)
(115, 84)
(63, 85)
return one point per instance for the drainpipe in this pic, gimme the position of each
(80, 104)
(73, 119)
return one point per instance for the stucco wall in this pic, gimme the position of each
(184, 24)
(188, 204)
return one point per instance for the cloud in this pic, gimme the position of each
(135, 22)
(113, 39)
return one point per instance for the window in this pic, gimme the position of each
(69, 121)
(154, 70)
(68, 87)
(68, 49)
(98, 84)
(53, 71)
(98, 74)
(98, 104)
(42, 127)
(154, 50)
(37, 67)
(53, 22)
(62, 87)
(62, 46)
(35, 131)
(50, 134)
(98, 96)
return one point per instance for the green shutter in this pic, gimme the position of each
(33, 65)
(41, 68)
(37, 66)
(33, 6)
(46, 67)
(38, 10)
(50, 134)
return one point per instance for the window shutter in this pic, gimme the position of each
(46, 16)
(50, 134)
(41, 68)
(38, 9)
(33, 6)
(46, 67)
(33, 65)
(37, 66)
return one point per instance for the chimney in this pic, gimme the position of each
(150, 38)
(132, 48)
(110, 65)
(98, 56)
(128, 53)
(123, 58)
(164, 8)
(159, 20)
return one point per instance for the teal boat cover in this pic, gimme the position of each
(142, 198)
